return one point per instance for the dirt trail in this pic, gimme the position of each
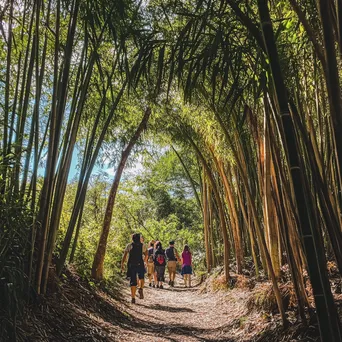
(80, 311)
(185, 314)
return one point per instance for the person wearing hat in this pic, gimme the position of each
(172, 258)
(137, 252)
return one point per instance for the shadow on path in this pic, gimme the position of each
(179, 289)
(166, 308)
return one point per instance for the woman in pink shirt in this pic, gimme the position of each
(186, 265)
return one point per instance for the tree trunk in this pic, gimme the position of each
(222, 218)
(5, 141)
(326, 310)
(206, 223)
(270, 223)
(47, 186)
(234, 218)
(332, 77)
(98, 263)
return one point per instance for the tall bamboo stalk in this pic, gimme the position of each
(326, 310)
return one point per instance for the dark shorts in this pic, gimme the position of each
(134, 272)
(160, 273)
(186, 269)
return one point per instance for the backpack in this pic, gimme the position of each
(150, 254)
(170, 253)
(160, 258)
(135, 254)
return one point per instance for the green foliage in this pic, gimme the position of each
(158, 202)
(15, 248)
(204, 52)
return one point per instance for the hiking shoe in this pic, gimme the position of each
(161, 286)
(170, 283)
(154, 286)
(157, 286)
(133, 301)
(141, 293)
(150, 284)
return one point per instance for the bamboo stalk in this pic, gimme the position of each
(326, 310)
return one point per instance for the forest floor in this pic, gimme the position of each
(81, 311)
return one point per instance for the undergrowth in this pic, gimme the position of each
(15, 247)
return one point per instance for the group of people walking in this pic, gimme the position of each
(154, 261)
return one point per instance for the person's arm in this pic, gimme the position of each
(146, 255)
(123, 260)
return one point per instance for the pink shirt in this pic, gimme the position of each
(186, 258)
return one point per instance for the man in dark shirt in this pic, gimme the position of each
(137, 259)
(172, 258)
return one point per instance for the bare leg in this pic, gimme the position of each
(185, 279)
(170, 273)
(150, 278)
(189, 277)
(141, 286)
(133, 291)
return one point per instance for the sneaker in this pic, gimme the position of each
(141, 293)
(133, 301)
(153, 286)
(150, 284)
(170, 283)
(161, 286)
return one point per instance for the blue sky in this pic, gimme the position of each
(137, 167)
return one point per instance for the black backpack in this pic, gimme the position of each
(150, 254)
(170, 253)
(135, 255)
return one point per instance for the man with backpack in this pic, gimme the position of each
(137, 259)
(172, 258)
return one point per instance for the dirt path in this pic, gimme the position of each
(80, 311)
(183, 314)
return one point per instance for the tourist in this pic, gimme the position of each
(159, 263)
(187, 265)
(172, 258)
(137, 252)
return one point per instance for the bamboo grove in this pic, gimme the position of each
(252, 89)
